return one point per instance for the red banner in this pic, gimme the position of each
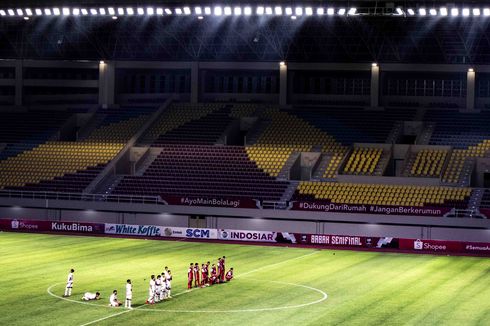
(51, 226)
(211, 202)
(346, 241)
(485, 211)
(368, 209)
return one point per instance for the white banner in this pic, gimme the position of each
(245, 235)
(130, 229)
(194, 233)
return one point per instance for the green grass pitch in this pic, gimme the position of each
(274, 285)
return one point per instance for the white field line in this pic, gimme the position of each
(324, 296)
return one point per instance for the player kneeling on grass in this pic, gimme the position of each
(88, 296)
(129, 294)
(113, 302)
(229, 275)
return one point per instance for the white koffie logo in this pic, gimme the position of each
(418, 245)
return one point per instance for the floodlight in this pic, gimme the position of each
(289, 11)
(26, 18)
(422, 12)
(178, 11)
(102, 11)
(93, 12)
(433, 12)
(399, 11)
(66, 11)
(111, 11)
(454, 12)
(2, 12)
(168, 11)
(227, 11)
(198, 10)
(207, 10)
(268, 10)
(114, 17)
(56, 11)
(38, 12)
(298, 11)
(47, 12)
(476, 12)
(293, 17)
(374, 64)
(443, 11)
(76, 11)
(278, 11)
(486, 12)
(320, 11)
(84, 11)
(282, 63)
(140, 11)
(352, 11)
(465, 12)
(20, 12)
(308, 11)
(260, 10)
(247, 11)
(120, 11)
(341, 11)
(330, 11)
(471, 70)
(187, 10)
(411, 12)
(28, 12)
(130, 11)
(200, 17)
(237, 11)
(11, 12)
(218, 11)
(101, 62)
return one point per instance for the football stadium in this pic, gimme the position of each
(244, 162)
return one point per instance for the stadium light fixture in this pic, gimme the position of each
(465, 12)
(330, 11)
(198, 10)
(76, 12)
(26, 18)
(102, 62)
(320, 11)
(308, 11)
(114, 17)
(471, 70)
(293, 17)
(102, 11)
(282, 63)
(411, 12)
(278, 11)
(454, 12)
(374, 64)
(352, 11)
(130, 11)
(268, 11)
(218, 11)
(237, 11)
(298, 11)
(38, 12)
(341, 11)
(66, 11)
(84, 12)
(422, 12)
(2, 12)
(168, 11)
(476, 12)
(11, 12)
(120, 11)
(111, 11)
(140, 11)
(260, 10)
(288, 11)
(47, 12)
(200, 17)
(28, 12)
(93, 12)
(207, 10)
(178, 11)
(399, 11)
(247, 11)
(433, 12)
(56, 11)
(20, 12)
(227, 11)
(187, 11)
(443, 11)
(486, 12)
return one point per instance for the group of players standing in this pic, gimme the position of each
(160, 287)
(201, 278)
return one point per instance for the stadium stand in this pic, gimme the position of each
(389, 195)
(70, 166)
(363, 161)
(427, 163)
(203, 170)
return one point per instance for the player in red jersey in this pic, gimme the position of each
(229, 275)
(222, 270)
(214, 278)
(204, 275)
(190, 276)
(197, 282)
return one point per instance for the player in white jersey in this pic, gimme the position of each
(158, 288)
(129, 295)
(168, 279)
(88, 296)
(69, 283)
(113, 302)
(151, 291)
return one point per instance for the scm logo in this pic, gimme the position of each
(197, 233)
